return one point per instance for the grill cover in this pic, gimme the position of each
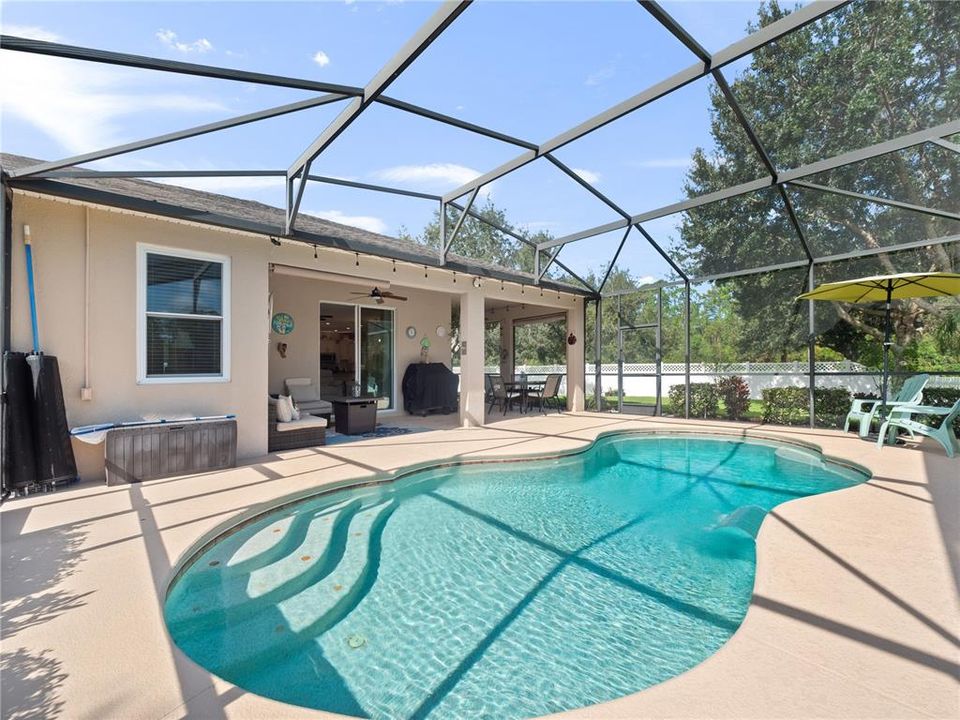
(429, 387)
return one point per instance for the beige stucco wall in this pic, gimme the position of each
(301, 298)
(58, 233)
(66, 233)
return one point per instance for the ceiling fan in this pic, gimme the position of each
(380, 295)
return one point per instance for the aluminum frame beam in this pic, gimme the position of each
(677, 30)
(93, 174)
(446, 242)
(765, 158)
(412, 49)
(944, 143)
(847, 158)
(877, 200)
(793, 265)
(236, 121)
(729, 54)
(143, 62)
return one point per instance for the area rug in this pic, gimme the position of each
(381, 431)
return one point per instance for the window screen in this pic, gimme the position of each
(184, 316)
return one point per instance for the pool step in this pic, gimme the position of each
(310, 551)
(277, 631)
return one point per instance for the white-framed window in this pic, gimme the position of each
(183, 316)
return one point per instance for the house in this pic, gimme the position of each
(157, 300)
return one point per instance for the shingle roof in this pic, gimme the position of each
(208, 208)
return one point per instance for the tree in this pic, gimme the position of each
(480, 241)
(867, 72)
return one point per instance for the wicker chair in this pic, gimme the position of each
(307, 432)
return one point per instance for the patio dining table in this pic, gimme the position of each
(522, 387)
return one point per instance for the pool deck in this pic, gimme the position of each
(854, 613)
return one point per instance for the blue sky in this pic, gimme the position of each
(531, 69)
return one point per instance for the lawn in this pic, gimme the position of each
(755, 411)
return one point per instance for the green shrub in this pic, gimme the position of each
(790, 406)
(940, 397)
(735, 394)
(832, 406)
(704, 400)
(785, 406)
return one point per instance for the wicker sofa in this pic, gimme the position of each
(308, 431)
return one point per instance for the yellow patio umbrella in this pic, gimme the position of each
(885, 288)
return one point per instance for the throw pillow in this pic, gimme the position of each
(284, 409)
(295, 410)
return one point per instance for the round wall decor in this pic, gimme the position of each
(411, 332)
(282, 323)
(441, 331)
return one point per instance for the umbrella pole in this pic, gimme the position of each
(886, 350)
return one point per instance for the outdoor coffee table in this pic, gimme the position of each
(354, 415)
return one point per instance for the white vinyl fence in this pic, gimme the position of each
(640, 378)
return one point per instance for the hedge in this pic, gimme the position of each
(790, 406)
(704, 400)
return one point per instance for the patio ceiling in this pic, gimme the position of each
(632, 225)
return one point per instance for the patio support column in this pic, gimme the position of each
(472, 323)
(576, 355)
(506, 348)
(811, 352)
(598, 355)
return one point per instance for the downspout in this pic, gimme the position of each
(86, 392)
(6, 229)
(6, 234)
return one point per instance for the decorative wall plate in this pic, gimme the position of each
(282, 323)
(411, 332)
(441, 331)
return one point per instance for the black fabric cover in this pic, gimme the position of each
(51, 435)
(19, 465)
(429, 387)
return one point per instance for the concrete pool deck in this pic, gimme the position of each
(854, 614)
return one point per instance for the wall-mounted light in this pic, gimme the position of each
(476, 283)
(275, 241)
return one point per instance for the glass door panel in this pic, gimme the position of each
(376, 354)
(338, 365)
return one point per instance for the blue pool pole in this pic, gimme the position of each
(31, 290)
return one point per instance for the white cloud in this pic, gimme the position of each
(439, 176)
(32, 32)
(679, 162)
(170, 39)
(79, 104)
(432, 173)
(587, 175)
(601, 75)
(321, 58)
(364, 222)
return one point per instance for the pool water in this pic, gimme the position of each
(501, 590)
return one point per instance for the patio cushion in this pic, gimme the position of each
(302, 393)
(304, 423)
(284, 409)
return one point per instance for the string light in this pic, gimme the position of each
(425, 271)
(314, 251)
(454, 277)
(501, 286)
(357, 255)
(394, 265)
(521, 288)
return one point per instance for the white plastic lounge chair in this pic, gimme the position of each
(864, 411)
(902, 417)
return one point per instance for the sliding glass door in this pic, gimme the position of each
(357, 347)
(376, 354)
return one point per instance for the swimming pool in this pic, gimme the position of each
(501, 590)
